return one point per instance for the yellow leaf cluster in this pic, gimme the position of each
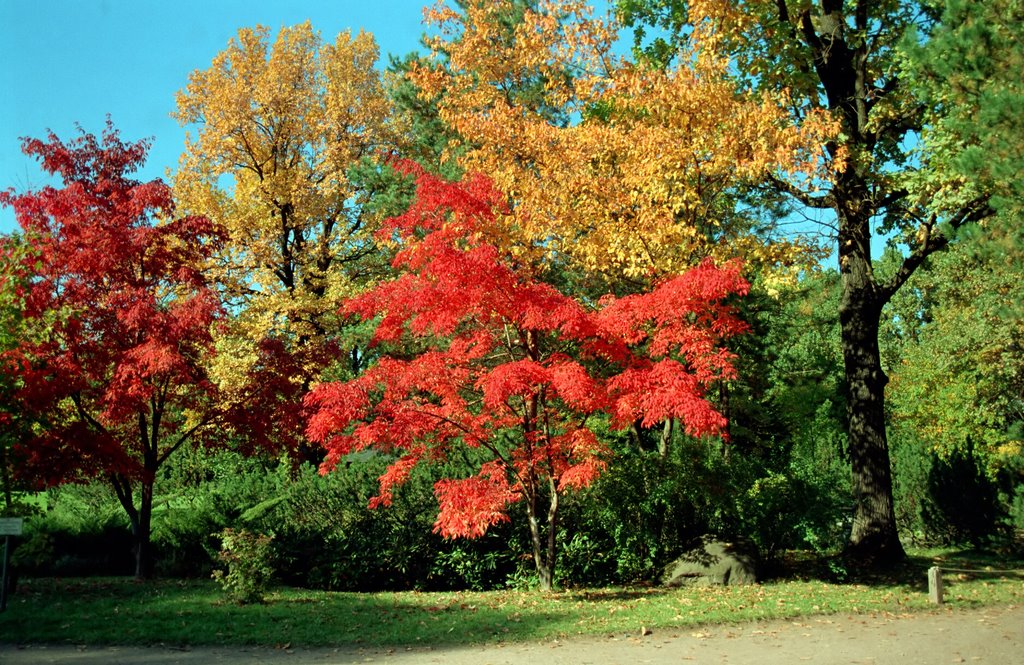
(630, 173)
(276, 125)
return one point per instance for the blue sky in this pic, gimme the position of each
(68, 61)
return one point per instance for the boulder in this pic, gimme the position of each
(714, 562)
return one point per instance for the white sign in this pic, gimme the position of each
(10, 526)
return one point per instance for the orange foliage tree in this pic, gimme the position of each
(625, 168)
(507, 365)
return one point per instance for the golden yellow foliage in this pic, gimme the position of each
(622, 167)
(280, 127)
(280, 124)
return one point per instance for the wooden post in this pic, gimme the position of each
(935, 585)
(9, 526)
(3, 575)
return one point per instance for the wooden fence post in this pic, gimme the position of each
(935, 585)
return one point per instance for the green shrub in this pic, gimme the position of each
(249, 565)
(1016, 511)
(796, 509)
(645, 510)
(82, 530)
(184, 541)
(477, 565)
(964, 501)
(33, 553)
(945, 500)
(328, 537)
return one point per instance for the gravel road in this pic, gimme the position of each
(992, 635)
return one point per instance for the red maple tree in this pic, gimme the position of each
(497, 360)
(113, 374)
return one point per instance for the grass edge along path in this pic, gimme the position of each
(109, 611)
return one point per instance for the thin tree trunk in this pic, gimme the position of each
(544, 546)
(126, 497)
(665, 438)
(143, 533)
(543, 571)
(552, 552)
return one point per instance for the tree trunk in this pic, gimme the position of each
(873, 539)
(140, 518)
(142, 531)
(544, 573)
(544, 548)
(665, 439)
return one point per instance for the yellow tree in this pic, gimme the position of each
(625, 169)
(284, 152)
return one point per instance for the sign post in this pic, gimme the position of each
(9, 526)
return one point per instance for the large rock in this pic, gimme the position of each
(715, 562)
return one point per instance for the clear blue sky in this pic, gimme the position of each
(68, 61)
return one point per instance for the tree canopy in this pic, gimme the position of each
(498, 361)
(622, 167)
(290, 132)
(120, 319)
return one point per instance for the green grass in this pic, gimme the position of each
(121, 611)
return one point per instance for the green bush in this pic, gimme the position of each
(477, 565)
(79, 530)
(795, 509)
(248, 557)
(329, 537)
(645, 510)
(203, 492)
(184, 540)
(945, 500)
(1016, 511)
(964, 505)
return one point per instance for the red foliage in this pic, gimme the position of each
(121, 313)
(495, 373)
(268, 413)
(470, 505)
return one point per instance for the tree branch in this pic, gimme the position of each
(123, 490)
(185, 436)
(825, 202)
(930, 240)
(76, 399)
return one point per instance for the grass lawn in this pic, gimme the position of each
(121, 611)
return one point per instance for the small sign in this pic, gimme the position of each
(10, 526)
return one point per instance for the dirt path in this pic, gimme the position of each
(992, 635)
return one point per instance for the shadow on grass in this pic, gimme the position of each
(962, 570)
(378, 620)
(122, 612)
(168, 612)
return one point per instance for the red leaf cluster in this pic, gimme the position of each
(512, 366)
(121, 314)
